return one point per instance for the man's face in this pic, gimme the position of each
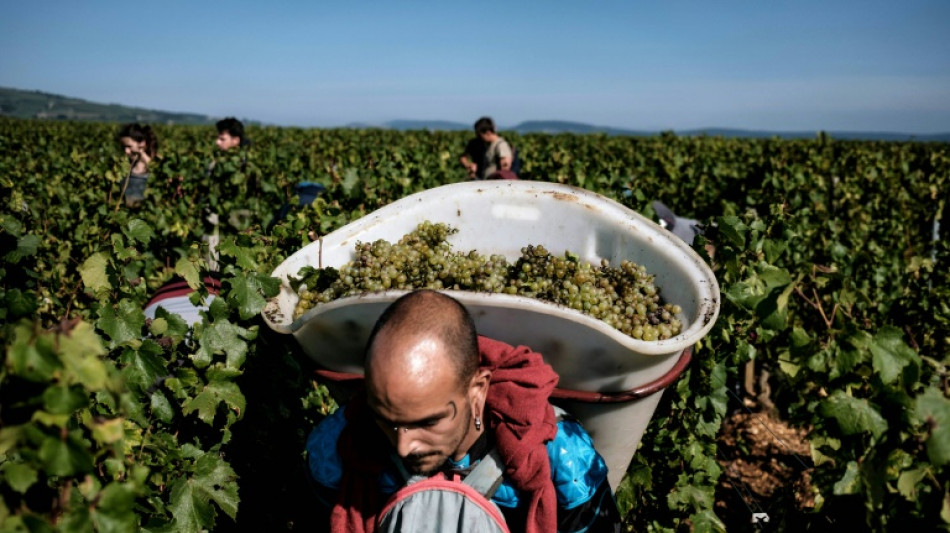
(419, 406)
(225, 141)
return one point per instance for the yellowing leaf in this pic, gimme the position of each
(93, 273)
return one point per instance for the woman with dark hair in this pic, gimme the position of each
(140, 145)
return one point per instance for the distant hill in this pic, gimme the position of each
(560, 126)
(39, 105)
(433, 125)
(840, 135)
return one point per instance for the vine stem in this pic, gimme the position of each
(69, 305)
(814, 303)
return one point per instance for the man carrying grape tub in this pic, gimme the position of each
(454, 432)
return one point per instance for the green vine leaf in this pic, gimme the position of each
(850, 482)
(214, 393)
(891, 355)
(115, 510)
(188, 270)
(854, 415)
(909, 481)
(248, 293)
(32, 356)
(123, 324)
(19, 476)
(65, 457)
(26, 246)
(139, 230)
(224, 337)
(63, 399)
(143, 367)
(19, 304)
(191, 498)
(244, 257)
(733, 229)
(934, 409)
(161, 407)
(81, 351)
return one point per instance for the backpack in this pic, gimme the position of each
(515, 160)
(442, 504)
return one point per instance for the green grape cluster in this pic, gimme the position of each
(623, 297)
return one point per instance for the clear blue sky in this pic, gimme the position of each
(781, 65)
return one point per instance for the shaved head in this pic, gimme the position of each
(427, 317)
(423, 383)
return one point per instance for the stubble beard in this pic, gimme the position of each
(413, 462)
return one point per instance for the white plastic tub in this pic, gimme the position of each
(501, 217)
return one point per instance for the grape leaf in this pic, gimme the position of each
(850, 482)
(20, 303)
(854, 415)
(26, 246)
(189, 272)
(909, 481)
(224, 337)
(19, 476)
(115, 509)
(58, 399)
(143, 367)
(139, 230)
(32, 357)
(65, 457)
(93, 273)
(123, 324)
(175, 325)
(934, 408)
(890, 355)
(81, 350)
(247, 293)
(161, 407)
(245, 258)
(214, 393)
(190, 502)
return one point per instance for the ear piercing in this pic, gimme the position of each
(478, 424)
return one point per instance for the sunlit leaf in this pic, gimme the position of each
(93, 272)
(850, 482)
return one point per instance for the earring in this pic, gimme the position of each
(478, 424)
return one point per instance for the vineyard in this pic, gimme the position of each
(834, 327)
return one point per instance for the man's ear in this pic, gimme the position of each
(478, 388)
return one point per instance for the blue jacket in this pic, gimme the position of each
(578, 471)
